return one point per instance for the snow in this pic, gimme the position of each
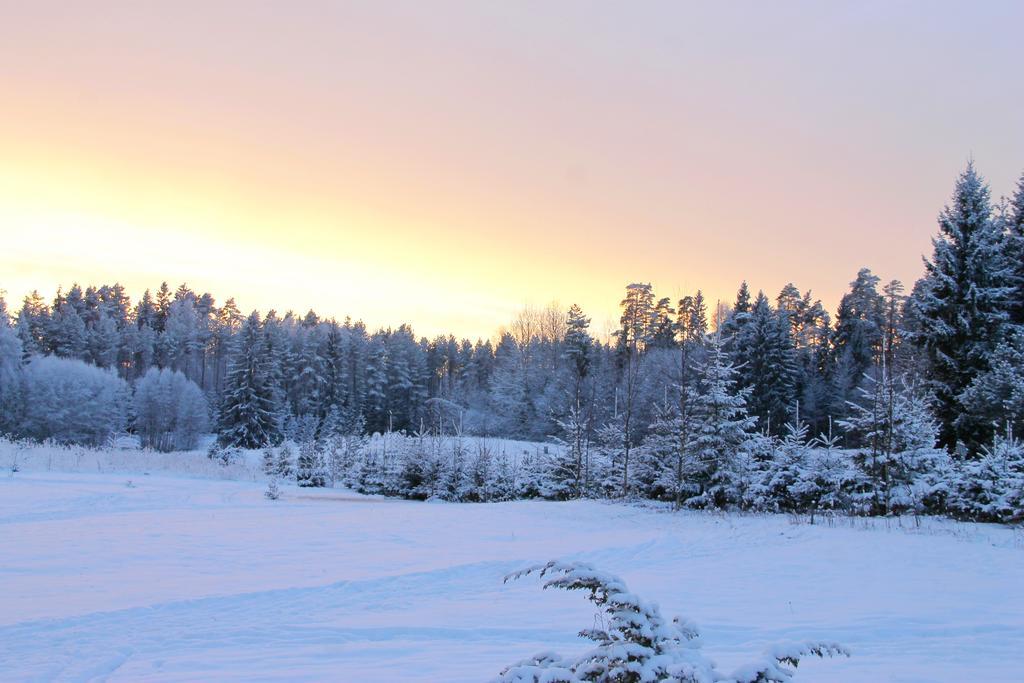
(187, 578)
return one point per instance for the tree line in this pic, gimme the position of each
(939, 366)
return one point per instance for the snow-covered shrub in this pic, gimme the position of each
(634, 643)
(269, 462)
(567, 471)
(311, 469)
(284, 467)
(273, 492)
(72, 402)
(991, 488)
(827, 474)
(788, 484)
(170, 411)
(480, 485)
(894, 423)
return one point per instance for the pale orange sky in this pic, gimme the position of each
(445, 163)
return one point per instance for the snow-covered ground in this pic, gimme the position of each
(176, 578)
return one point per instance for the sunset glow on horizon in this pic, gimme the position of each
(445, 164)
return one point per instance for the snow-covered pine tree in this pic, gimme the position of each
(455, 482)
(309, 470)
(656, 473)
(633, 337)
(996, 396)
(733, 328)
(479, 486)
(33, 326)
(720, 429)
(788, 485)
(568, 466)
(571, 468)
(810, 330)
(635, 643)
(11, 374)
(663, 328)
(769, 368)
(827, 474)
(273, 491)
(284, 467)
(606, 459)
(856, 341)
(991, 488)
(269, 462)
(1013, 250)
(249, 416)
(68, 332)
(962, 306)
(894, 424)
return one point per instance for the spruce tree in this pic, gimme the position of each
(574, 426)
(734, 326)
(857, 341)
(996, 396)
(1013, 237)
(310, 469)
(283, 467)
(962, 305)
(11, 375)
(248, 414)
(720, 429)
(769, 370)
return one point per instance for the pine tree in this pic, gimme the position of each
(655, 473)
(996, 397)
(568, 467)
(634, 642)
(893, 422)
(33, 326)
(962, 305)
(634, 335)
(691, 329)
(788, 484)
(68, 334)
(663, 332)
(11, 374)
(572, 470)
(1013, 250)
(733, 328)
(991, 488)
(269, 462)
(720, 429)
(283, 466)
(248, 416)
(827, 474)
(310, 470)
(769, 370)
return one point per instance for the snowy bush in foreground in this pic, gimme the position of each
(637, 644)
(170, 411)
(72, 402)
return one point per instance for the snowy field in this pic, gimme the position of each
(176, 578)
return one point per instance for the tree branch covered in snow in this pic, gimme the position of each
(637, 644)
